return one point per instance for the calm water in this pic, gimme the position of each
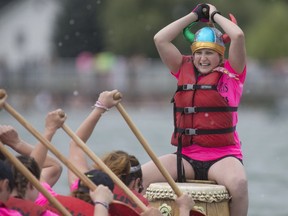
(263, 135)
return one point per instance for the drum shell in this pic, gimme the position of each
(211, 199)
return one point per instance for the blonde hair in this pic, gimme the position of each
(118, 162)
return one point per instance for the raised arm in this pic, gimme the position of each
(10, 137)
(169, 53)
(237, 50)
(50, 168)
(76, 155)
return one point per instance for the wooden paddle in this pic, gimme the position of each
(44, 141)
(103, 166)
(152, 155)
(146, 146)
(15, 161)
(118, 205)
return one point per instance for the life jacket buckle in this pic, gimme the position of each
(188, 87)
(188, 110)
(190, 131)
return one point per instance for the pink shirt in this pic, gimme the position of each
(4, 211)
(231, 89)
(41, 199)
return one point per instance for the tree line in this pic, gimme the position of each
(127, 27)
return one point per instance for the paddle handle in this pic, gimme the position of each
(104, 167)
(146, 146)
(33, 180)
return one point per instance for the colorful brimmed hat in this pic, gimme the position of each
(209, 38)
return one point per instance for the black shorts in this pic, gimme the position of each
(201, 168)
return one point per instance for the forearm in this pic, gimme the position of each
(87, 127)
(237, 50)
(171, 31)
(84, 132)
(184, 212)
(230, 28)
(39, 152)
(100, 210)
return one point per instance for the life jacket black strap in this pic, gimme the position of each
(188, 87)
(193, 131)
(180, 167)
(189, 110)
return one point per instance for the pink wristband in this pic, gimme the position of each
(99, 104)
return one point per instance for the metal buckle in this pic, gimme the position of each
(188, 87)
(188, 110)
(190, 131)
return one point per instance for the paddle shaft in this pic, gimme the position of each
(104, 167)
(146, 146)
(44, 141)
(15, 161)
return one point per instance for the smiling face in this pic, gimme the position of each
(205, 60)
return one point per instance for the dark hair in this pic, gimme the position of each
(20, 180)
(6, 173)
(135, 172)
(2, 157)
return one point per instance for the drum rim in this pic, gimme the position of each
(220, 193)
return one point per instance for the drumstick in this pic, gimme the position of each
(104, 167)
(15, 161)
(147, 147)
(44, 141)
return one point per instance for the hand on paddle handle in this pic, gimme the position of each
(108, 99)
(185, 204)
(54, 120)
(9, 136)
(202, 11)
(101, 194)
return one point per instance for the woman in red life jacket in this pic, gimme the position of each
(209, 88)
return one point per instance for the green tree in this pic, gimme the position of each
(78, 28)
(267, 37)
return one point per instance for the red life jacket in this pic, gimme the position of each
(73, 205)
(201, 115)
(25, 207)
(81, 208)
(121, 196)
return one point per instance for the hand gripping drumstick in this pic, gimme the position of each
(146, 146)
(103, 166)
(33, 180)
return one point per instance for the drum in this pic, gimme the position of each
(210, 199)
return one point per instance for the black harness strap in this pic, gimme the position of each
(193, 131)
(180, 166)
(189, 110)
(189, 87)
